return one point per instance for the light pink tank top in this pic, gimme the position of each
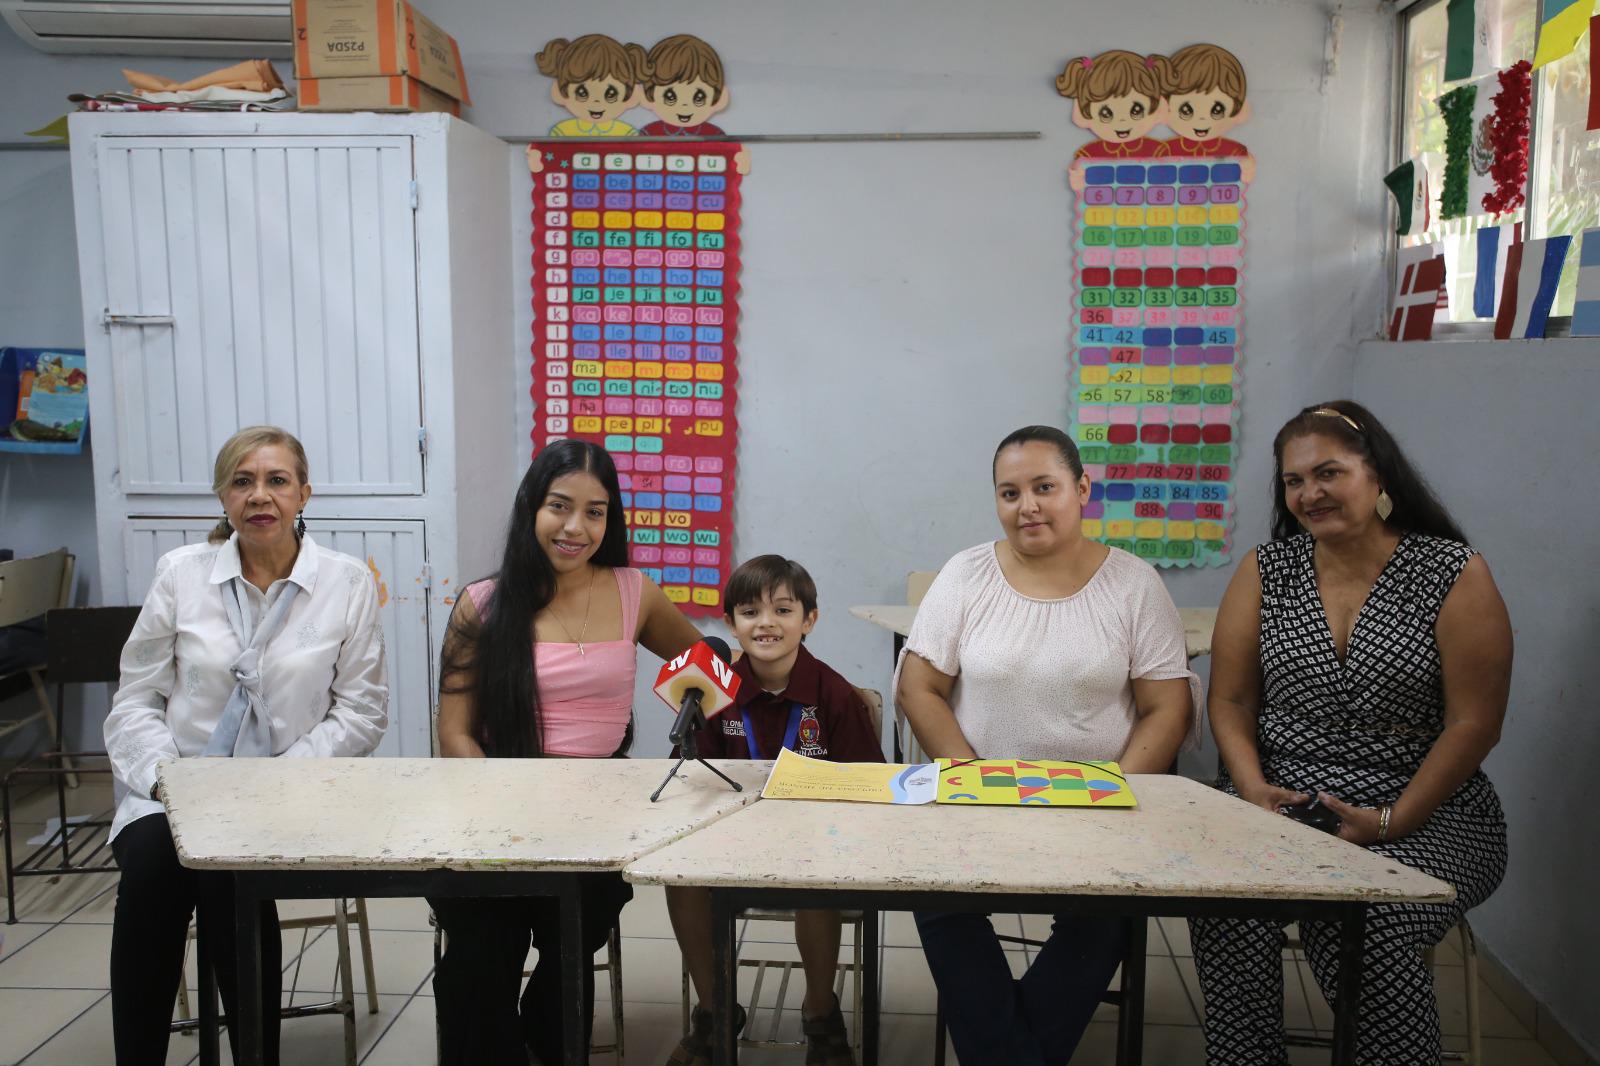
(585, 699)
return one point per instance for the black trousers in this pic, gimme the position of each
(482, 1022)
(155, 899)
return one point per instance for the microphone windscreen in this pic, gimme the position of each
(701, 667)
(719, 648)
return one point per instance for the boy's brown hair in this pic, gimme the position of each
(592, 57)
(763, 576)
(1204, 68)
(682, 58)
(1091, 79)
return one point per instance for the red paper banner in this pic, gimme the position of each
(635, 313)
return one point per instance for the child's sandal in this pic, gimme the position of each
(827, 1042)
(695, 1047)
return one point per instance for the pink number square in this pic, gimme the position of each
(1092, 416)
(1220, 316)
(1097, 257)
(1158, 316)
(1191, 257)
(1225, 255)
(1125, 316)
(1186, 414)
(1216, 415)
(1124, 416)
(1096, 471)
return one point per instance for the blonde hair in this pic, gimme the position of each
(1089, 80)
(684, 58)
(592, 57)
(1204, 68)
(234, 451)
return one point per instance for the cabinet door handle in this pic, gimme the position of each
(107, 320)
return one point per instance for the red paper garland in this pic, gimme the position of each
(1510, 139)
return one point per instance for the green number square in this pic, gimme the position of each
(1129, 237)
(1158, 236)
(1222, 296)
(1095, 298)
(1192, 236)
(1224, 234)
(1183, 454)
(1180, 549)
(1191, 297)
(1125, 545)
(1094, 453)
(1097, 236)
(1158, 297)
(1186, 394)
(1124, 453)
(1126, 297)
(1218, 394)
(1212, 454)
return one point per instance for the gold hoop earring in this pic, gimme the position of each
(1384, 506)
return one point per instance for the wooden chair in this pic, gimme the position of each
(1469, 965)
(858, 968)
(28, 589)
(346, 912)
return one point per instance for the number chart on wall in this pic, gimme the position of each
(1155, 383)
(635, 308)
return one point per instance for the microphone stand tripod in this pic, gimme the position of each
(688, 749)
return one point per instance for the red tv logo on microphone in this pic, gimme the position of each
(698, 668)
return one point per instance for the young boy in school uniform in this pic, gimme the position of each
(787, 699)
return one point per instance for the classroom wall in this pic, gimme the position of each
(1504, 431)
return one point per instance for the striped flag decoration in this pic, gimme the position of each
(1419, 275)
(1533, 270)
(1493, 244)
(1586, 311)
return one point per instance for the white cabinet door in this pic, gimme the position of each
(395, 552)
(255, 280)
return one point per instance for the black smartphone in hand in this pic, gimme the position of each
(1313, 813)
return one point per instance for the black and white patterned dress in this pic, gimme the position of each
(1359, 730)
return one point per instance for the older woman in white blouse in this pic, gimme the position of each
(258, 643)
(1041, 645)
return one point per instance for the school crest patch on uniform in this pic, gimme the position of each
(810, 734)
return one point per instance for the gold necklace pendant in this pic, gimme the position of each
(587, 604)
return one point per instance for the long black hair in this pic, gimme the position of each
(1416, 508)
(497, 651)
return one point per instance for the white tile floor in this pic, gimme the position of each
(55, 1006)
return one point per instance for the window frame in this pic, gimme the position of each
(1477, 329)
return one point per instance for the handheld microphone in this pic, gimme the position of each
(700, 681)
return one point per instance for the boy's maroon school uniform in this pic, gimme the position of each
(819, 710)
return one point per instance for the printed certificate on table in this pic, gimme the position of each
(797, 777)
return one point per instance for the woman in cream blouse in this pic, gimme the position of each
(1050, 646)
(257, 643)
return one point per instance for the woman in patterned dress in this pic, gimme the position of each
(1361, 656)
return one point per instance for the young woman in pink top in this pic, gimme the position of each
(538, 662)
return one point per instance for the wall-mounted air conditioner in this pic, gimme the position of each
(246, 29)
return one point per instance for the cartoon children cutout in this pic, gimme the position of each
(684, 88)
(596, 79)
(1205, 89)
(1120, 98)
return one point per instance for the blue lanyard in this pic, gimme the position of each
(789, 737)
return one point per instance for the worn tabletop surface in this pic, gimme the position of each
(1198, 622)
(424, 814)
(1184, 839)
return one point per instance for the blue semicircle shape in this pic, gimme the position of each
(1105, 786)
